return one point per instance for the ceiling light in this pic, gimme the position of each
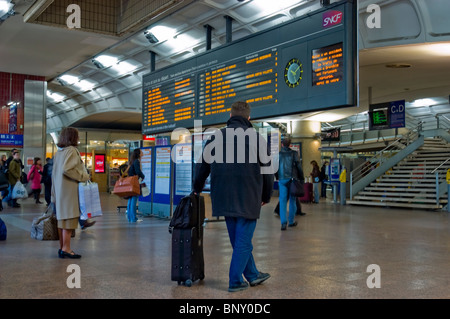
(125, 67)
(423, 102)
(56, 97)
(106, 60)
(440, 48)
(68, 79)
(182, 42)
(160, 33)
(6, 10)
(85, 85)
(271, 6)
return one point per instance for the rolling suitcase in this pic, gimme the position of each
(308, 196)
(187, 240)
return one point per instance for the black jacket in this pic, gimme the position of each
(237, 188)
(288, 160)
(135, 169)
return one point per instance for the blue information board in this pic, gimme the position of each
(162, 179)
(182, 185)
(145, 203)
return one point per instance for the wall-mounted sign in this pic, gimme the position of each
(331, 135)
(387, 115)
(99, 163)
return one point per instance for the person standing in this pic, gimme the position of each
(134, 169)
(323, 179)
(14, 173)
(315, 174)
(47, 180)
(35, 175)
(238, 190)
(289, 167)
(68, 171)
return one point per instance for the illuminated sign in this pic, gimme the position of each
(387, 115)
(299, 66)
(331, 18)
(331, 135)
(99, 163)
(327, 65)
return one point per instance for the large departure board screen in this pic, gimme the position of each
(304, 65)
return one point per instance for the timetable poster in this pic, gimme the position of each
(162, 171)
(146, 163)
(183, 169)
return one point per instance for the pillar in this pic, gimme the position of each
(305, 132)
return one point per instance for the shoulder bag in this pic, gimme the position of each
(295, 185)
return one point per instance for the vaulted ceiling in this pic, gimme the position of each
(110, 97)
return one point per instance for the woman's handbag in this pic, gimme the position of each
(127, 186)
(295, 185)
(46, 226)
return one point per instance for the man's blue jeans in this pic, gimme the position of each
(131, 209)
(283, 186)
(241, 232)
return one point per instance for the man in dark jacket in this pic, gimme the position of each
(289, 167)
(235, 159)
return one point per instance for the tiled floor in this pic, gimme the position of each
(325, 256)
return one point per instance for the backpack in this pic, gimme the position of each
(2, 230)
(186, 213)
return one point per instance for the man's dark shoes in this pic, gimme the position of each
(260, 279)
(283, 226)
(242, 286)
(293, 224)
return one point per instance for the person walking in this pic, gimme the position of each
(315, 175)
(35, 175)
(289, 167)
(134, 169)
(68, 171)
(238, 190)
(14, 173)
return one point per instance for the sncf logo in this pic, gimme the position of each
(331, 18)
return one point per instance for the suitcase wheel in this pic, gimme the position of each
(188, 283)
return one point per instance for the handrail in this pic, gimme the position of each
(443, 163)
(365, 168)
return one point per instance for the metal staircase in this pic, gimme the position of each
(417, 181)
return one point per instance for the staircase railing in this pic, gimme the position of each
(382, 156)
(440, 187)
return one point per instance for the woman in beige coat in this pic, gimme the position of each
(68, 171)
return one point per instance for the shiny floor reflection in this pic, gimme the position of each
(326, 256)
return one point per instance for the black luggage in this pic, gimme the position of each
(299, 207)
(186, 228)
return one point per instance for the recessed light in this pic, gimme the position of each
(398, 65)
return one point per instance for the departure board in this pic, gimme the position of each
(327, 65)
(171, 102)
(303, 65)
(252, 79)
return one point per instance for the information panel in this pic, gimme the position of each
(306, 64)
(253, 79)
(327, 65)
